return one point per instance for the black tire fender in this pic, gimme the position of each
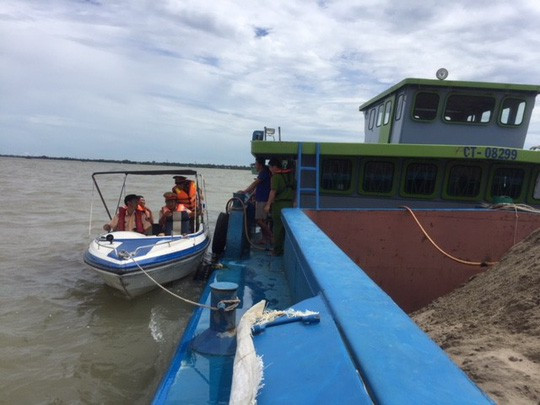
(219, 240)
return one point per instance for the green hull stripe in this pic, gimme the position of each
(290, 149)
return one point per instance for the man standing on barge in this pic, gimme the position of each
(261, 186)
(281, 196)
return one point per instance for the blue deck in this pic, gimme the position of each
(365, 344)
(315, 370)
(195, 378)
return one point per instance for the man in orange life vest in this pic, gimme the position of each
(129, 218)
(166, 213)
(186, 191)
(142, 207)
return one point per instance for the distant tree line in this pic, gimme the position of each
(132, 162)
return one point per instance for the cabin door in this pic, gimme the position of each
(388, 120)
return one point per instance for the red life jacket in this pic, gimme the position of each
(122, 220)
(284, 171)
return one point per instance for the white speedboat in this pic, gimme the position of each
(135, 263)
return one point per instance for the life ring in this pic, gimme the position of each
(219, 240)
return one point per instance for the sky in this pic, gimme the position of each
(189, 81)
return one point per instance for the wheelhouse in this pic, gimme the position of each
(419, 111)
(429, 143)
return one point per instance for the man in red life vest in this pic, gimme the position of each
(129, 218)
(167, 212)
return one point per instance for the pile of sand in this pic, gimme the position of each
(490, 327)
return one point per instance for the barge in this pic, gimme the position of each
(439, 191)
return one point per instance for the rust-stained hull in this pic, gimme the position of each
(390, 247)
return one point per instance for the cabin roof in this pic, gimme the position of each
(428, 83)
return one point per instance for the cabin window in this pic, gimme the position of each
(512, 112)
(371, 118)
(399, 106)
(425, 106)
(380, 114)
(378, 177)
(420, 178)
(507, 181)
(464, 181)
(387, 111)
(336, 174)
(536, 194)
(469, 109)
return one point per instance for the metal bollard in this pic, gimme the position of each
(222, 321)
(220, 337)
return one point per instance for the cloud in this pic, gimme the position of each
(190, 80)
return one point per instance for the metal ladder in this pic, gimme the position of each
(300, 169)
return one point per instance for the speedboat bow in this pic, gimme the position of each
(135, 263)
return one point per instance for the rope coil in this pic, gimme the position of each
(515, 208)
(512, 207)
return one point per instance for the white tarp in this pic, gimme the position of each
(248, 367)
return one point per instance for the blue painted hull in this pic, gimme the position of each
(364, 350)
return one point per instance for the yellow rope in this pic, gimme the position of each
(233, 303)
(442, 251)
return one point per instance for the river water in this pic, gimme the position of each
(65, 337)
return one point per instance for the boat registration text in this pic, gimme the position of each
(490, 153)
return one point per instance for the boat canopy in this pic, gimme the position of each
(183, 172)
(149, 172)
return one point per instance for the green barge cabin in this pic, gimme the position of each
(428, 143)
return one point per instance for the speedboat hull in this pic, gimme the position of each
(135, 263)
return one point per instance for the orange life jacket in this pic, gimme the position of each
(164, 210)
(179, 208)
(146, 211)
(122, 220)
(187, 194)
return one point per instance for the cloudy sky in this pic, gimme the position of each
(188, 81)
